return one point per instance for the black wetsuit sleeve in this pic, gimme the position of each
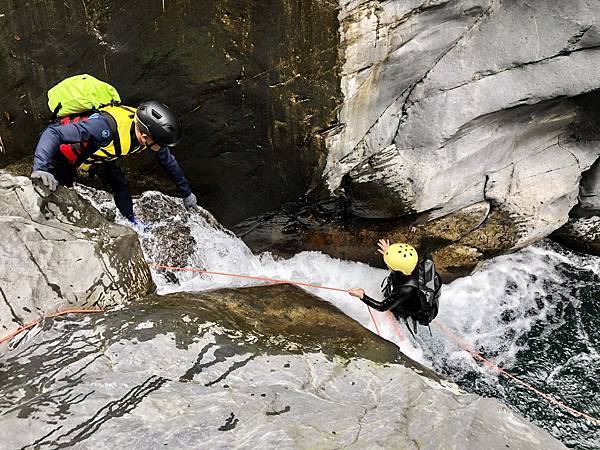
(174, 172)
(400, 296)
(385, 305)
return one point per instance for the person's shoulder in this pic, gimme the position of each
(99, 127)
(97, 117)
(402, 280)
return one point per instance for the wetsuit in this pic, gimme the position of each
(399, 296)
(93, 134)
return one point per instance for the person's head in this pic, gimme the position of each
(401, 258)
(156, 126)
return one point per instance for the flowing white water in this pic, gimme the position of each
(493, 309)
(533, 313)
(496, 307)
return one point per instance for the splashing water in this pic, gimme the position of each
(533, 313)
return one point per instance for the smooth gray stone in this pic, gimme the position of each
(452, 103)
(260, 367)
(58, 252)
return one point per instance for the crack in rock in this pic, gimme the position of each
(561, 54)
(408, 103)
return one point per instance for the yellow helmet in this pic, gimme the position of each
(401, 257)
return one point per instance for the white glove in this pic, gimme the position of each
(190, 201)
(46, 177)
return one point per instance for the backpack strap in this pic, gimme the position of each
(115, 132)
(409, 329)
(55, 112)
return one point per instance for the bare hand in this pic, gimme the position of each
(383, 245)
(357, 292)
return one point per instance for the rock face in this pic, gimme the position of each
(411, 110)
(171, 235)
(260, 367)
(457, 242)
(253, 81)
(58, 252)
(452, 103)
(580, 234)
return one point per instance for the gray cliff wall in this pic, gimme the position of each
(479, 109)
(407, 110)
(452, 103)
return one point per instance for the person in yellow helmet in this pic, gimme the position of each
(400, 288)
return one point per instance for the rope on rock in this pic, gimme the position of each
(33, 323)
(248, 277)
(441, 326)
(268, 280)
(477, 356)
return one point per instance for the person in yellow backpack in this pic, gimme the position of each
(97, 142)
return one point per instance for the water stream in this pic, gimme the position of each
(533, 313)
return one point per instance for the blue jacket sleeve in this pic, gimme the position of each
(172, 169)
(95, 130)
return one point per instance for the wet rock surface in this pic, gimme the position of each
(580, 234)
(169, 235)
(57, 251)
(448, 104)
(263, 367)
(457, 242)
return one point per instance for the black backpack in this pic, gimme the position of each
(429, 287)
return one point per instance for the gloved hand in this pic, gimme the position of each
(46, 177)
(190, 201)
(139, 225)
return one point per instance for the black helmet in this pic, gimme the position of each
(157, 120)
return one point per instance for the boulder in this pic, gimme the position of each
(580, 234)
(448, 104)
(169, 234)
(260, 367)
(58, 252)
(458, 242)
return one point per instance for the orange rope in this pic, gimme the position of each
(373, 319)
(441, 326)
(455, 338)
(268, 280)
(35, 322)
(510, 376)
(444, 329)
(396, 326)
(248, 277)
